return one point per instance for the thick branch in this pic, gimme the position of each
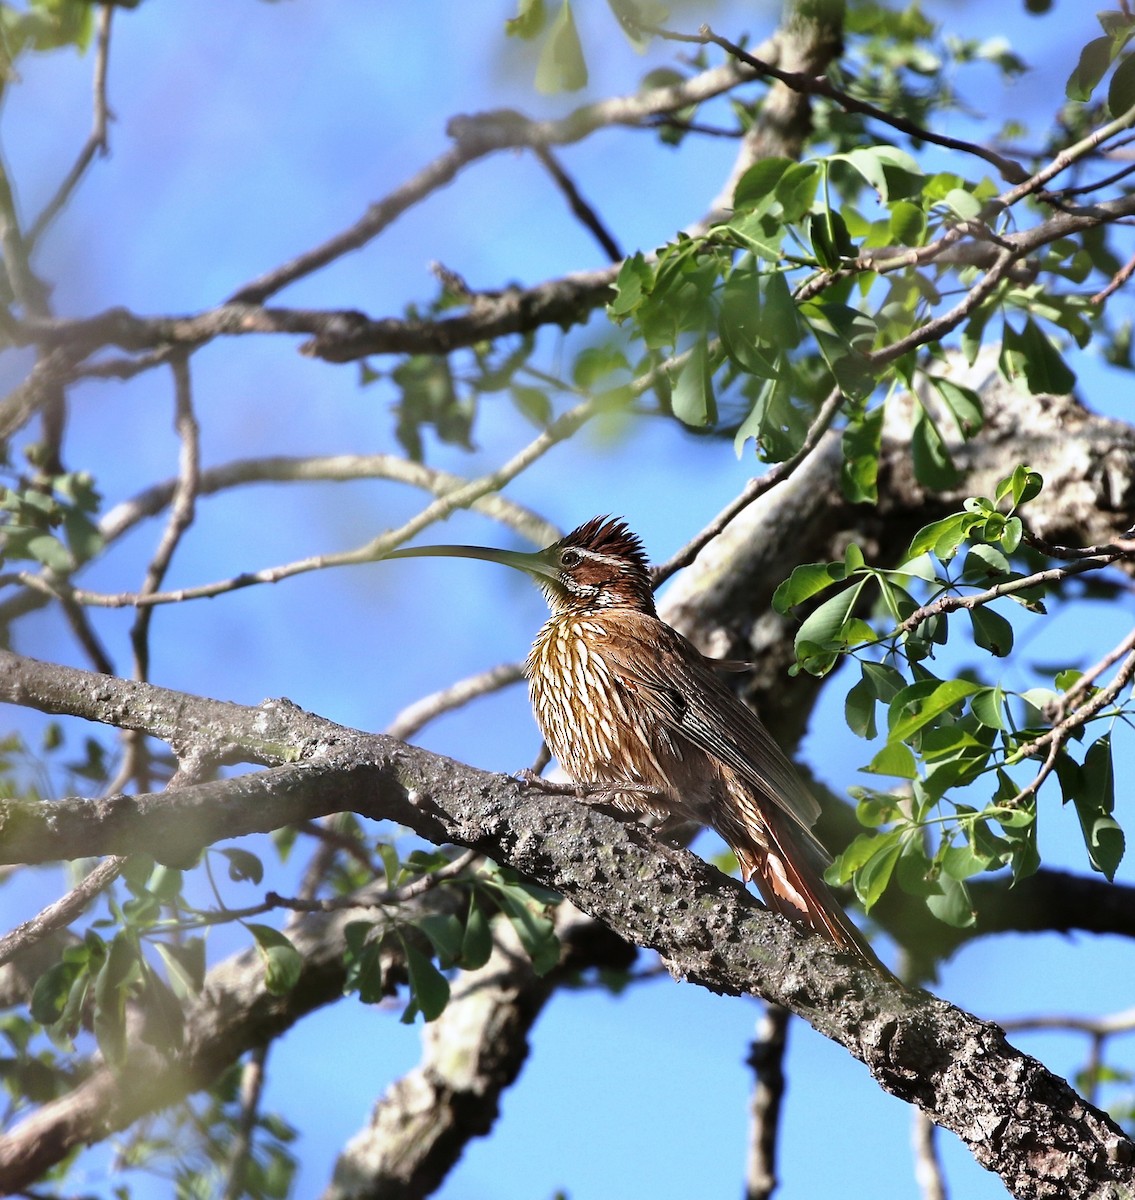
(1017, 1118)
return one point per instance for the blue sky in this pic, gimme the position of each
(247, 132)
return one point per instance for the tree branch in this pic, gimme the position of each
(1017, 1118)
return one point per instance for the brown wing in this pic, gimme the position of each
(773, 842)
(671, 676)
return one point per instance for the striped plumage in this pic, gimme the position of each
(630, 706)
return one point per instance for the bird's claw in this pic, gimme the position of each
(528, 778)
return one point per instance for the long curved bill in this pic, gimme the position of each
(535, 564)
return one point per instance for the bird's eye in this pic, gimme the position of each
(570, 558)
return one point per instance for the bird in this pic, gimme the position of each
(636, 714)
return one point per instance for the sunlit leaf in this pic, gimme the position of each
(692, 398)
(282, 962)
(561, 67)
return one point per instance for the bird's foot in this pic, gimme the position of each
(528, 778)
(623, 796)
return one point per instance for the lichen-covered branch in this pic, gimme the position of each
(1017, 1118)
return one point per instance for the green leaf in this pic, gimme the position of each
(843, 335)
(1012, 533)
(964, 405)
(988, 706)
(942, 537)
(831, 242)
(908, 224)
(859, 470)
(282, 961)
(1024, 485)
(632, 15)
(952, 905)
(963, 204)
(84, 539)
(918, 705)
(561, 67)
(1018, 827)
(692, 399)
(1095, 58)
(914, 871)
(1121, 90)
(121, 967)
(391, 864)
(756, 188)
(536, 932)
(991, 631)
(532, 403)
(894, 759)
(184, 963)
(428, 986)
(50, 551)
(984, 564)
(826, 626)
(445, 934)
(806, 581)
(859, 708)
(363, 960)
(886, 680)
(740, 324)
(890, 171)
(758, 233)
(634, 281)
(876, 808)
(1030, 356)
(796, 190)
(844, 866)
(244, 865)
(775, 422)
(1103, 836)
(871, 880)
(780, 316)
(51, 990)
(933, 466)
(477, 940)
(529, 19)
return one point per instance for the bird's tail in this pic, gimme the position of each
(778, 863)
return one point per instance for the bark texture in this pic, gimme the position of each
(1018, 1118)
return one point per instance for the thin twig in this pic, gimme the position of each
(946, 604)
(1071, 154)
(755, 488)
(411, 719)
(273, 901)
(814, 85)
(583, 212)
(560, 429)
(1086, 188)
(251, 1087)
(96, 142)
(1120, 1022)
(371, 551)
(60, 913)
(1088, 678)
(766, 1057)
(1063, 730)
(330, 836)
(928, 1170)
(181, 514)
(334, 468)
(1068, 553)
(338, 468)
(1116, 282)
(84, 632)
(486, 133)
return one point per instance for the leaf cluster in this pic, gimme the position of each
(944, 736)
